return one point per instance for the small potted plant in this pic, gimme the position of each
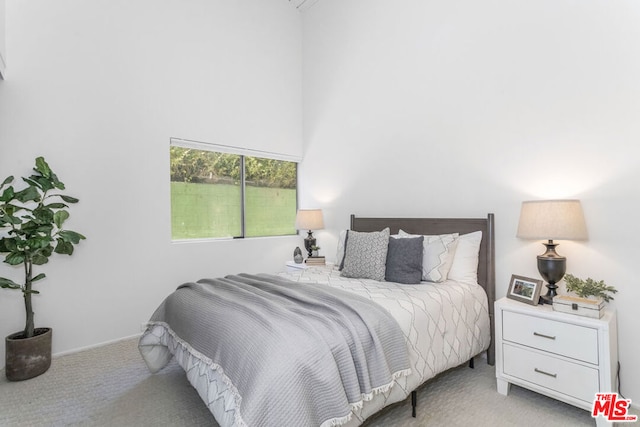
(589, 288)
(315, 250)
(591, 296)
(31, 230)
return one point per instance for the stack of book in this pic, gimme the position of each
(315, 260)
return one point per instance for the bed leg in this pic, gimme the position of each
(471, 363)
(414, 402)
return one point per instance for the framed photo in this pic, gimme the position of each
(524, 289)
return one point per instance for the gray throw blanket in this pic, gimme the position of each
(298, 354)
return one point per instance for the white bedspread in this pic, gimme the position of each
(444, 324)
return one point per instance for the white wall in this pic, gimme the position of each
(98, 88)
(459, 108)
(3, 53)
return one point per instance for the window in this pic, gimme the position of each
(222, 192)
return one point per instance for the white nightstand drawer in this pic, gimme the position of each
(574, 341)
(572, 379)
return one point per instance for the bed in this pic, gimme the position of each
(314, 370)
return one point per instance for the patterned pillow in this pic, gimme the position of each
(437, 256)
(404, 260)
(366, 254)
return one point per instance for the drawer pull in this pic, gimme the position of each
(545, 373)
(544, 336)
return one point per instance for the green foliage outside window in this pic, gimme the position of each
(192, 165)
(206, 195)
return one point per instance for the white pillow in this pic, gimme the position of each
(437, 255)
(465, 260)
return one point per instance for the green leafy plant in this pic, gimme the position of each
(31, 229)
(589, 287)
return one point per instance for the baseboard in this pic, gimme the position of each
(89, 347)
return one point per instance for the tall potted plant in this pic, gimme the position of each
(31, 230)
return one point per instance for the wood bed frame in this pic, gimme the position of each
(431, 226)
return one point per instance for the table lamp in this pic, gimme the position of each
(309, 219)
(549, 220)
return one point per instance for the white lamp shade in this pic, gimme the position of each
(552, 220)
(309, 219)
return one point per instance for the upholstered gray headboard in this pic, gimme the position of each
(429, 226)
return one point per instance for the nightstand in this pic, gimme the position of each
(563, 356)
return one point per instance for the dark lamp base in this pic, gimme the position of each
(551, 267)
(545, 299)
(309, 242)
(551, 293)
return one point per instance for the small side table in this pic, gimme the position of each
(563, 356)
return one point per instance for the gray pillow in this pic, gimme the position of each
(404, 260)
(366, 254)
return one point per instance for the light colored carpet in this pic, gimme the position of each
(111, 386)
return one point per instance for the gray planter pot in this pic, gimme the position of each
(28, 357)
